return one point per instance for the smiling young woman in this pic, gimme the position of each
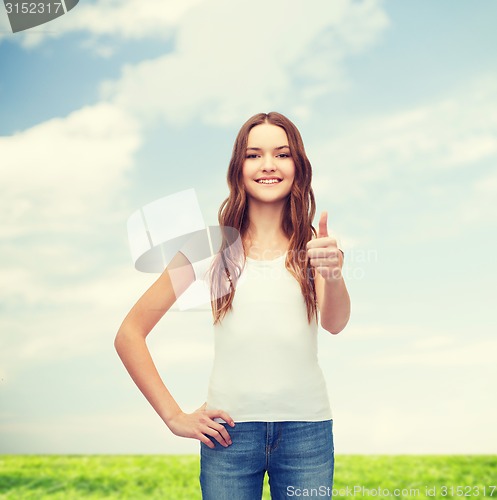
(267, 406)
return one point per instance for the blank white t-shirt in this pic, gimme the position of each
(265, 364)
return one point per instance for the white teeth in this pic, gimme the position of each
(269, 181)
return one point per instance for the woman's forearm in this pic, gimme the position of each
(335, 312)
(134, 354)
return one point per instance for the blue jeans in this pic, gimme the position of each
(298, 457)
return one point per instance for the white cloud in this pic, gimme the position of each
(24, 285)
(49, 322)
(138, 430)
(457, 131)
(451, 353)
(65, 171)
(480, 206)
(5, 28)
(392, 163)
(265, 51)
(471, 149)
(59, 181)
(396, 428)
(127, 19)
(377, 429)
(405, 388)
(411, 344)
(374, 332)
(217, 53)
(487, 184)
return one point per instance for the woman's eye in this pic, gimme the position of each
(282, 155)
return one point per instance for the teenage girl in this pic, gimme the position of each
(267, 406)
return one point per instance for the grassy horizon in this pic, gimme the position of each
(175, 477)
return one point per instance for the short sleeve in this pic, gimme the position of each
(196, 249)
(201, 268)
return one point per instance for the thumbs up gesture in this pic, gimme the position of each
(323, 252)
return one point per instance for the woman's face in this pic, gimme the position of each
(268, 156)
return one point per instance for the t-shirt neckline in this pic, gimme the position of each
(267, 260)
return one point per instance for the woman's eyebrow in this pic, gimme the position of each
(275, 149)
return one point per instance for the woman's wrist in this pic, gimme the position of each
(171, 414)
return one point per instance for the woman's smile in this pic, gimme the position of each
(269, 181)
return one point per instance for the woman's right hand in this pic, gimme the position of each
(199, 423)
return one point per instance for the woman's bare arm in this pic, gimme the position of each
(130, 344)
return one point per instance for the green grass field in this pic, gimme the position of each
(175, 477)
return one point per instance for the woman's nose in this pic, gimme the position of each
(268, 163)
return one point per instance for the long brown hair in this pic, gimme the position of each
(298, 214)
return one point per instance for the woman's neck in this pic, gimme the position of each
(265, 232)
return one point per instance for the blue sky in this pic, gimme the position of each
(117, 104)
